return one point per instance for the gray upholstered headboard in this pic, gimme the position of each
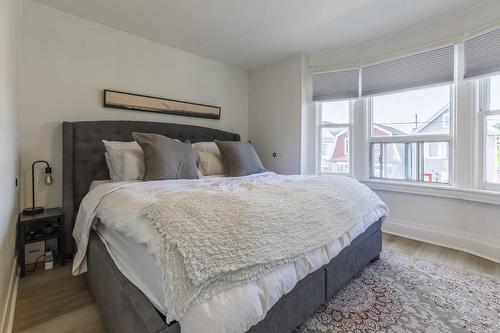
(83, 154)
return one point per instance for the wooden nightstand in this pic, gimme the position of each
(40, 227)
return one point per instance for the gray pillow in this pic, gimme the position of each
(240, 158)
(166, 158)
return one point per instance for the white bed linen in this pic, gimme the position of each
(234, 310)
(138, 266)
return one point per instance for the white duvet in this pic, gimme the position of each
(119, 207)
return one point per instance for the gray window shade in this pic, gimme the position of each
(422, 69)
(335, 85)
(482, 54)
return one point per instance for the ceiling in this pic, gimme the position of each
(252, 33)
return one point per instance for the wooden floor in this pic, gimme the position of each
(54, 301)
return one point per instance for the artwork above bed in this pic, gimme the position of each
(129, 101)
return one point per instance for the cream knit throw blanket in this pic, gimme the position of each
(214, 240)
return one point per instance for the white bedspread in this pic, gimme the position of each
(119, 206)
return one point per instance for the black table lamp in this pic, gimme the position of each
(48, 180)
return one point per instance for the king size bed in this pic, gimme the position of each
(145, 274)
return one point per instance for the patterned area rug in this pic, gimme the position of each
(402, 294)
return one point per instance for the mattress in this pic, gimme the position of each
(138, 265)
(134, 261)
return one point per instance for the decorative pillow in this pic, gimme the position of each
(112, 173)
(120, 145)
(132, 165)
(125, 160)
(208, 158)
(208, 147)
(166, 158)
(210, 164)
(240, 158)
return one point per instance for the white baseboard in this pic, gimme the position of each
(10, 305)
(443, 237)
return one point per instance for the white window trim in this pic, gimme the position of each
(434, 189)
(419, 139)
(482, 113)
(320, 126)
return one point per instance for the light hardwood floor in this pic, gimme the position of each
(54, 301)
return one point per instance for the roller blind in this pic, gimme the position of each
(482, 54)
(418, 70)
(336, 85)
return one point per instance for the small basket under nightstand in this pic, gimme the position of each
(47, 225)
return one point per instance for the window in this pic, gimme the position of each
(393, 160)
(410, 135)
(334, 128)
(489, 113)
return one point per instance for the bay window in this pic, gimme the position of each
(396, 120)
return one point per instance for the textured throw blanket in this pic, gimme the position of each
(218, 239)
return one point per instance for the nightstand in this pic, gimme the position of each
(40, 227)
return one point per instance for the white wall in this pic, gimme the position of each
(66, 63)
(9, 155)
(435, 32)
(464, 225)
(275, 106)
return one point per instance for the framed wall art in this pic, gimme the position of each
(129, 101)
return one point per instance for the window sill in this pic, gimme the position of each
(435, 190)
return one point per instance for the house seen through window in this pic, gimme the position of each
(410, 135)
(334, 122)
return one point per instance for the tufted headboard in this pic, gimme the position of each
(83, 154)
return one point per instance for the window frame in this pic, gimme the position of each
(418, 139)
(483, 112)
(320, 126)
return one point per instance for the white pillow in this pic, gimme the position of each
(209, 147)
(112, 173)
(208, 158)
(210, 164)
(119, 145)
(125, 160)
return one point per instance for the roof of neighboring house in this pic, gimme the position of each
(335, 131)
(420, 128)
(389, 129)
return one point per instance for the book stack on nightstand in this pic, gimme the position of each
(34, 234)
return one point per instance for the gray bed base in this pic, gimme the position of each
(125, 309)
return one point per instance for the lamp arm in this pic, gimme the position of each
(40, 161)
(33, 179)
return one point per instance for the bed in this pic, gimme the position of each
(132, 307)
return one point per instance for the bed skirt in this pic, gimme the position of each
(124, 308)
